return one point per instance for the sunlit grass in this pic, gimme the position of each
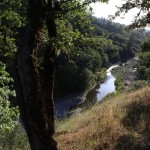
(119, 122)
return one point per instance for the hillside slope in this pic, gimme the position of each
(118, 123)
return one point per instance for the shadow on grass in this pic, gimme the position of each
(137, 118)
(125, 142)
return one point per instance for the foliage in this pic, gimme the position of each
(79, 59)
(106, 25)
(71, 79)
(12, 18)
(119, 82)
(68, 77)
(90, 48)
(123, 45)
(139, 84)
(14, 140)
(88, 42)
(142, 18)
(8, 116)
(144, 61)
(145, 47)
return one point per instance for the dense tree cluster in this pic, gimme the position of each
(108, 44)
(124, 44)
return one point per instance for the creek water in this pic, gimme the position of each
(108, 86)
(103, 89)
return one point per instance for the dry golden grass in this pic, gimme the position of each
(118, 123)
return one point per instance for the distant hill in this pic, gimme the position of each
(125, 44)
(108, 25)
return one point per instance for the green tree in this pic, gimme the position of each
(35, 97)
(145, 47)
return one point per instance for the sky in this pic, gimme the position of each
(104, 10)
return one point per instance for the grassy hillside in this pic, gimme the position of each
(118, 123)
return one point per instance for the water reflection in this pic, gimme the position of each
(107, 87)
(91, 97)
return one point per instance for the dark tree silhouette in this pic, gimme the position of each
(35, 100)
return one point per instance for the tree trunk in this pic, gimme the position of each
(36, 108)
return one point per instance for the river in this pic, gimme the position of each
(63, 105)
(108, 86)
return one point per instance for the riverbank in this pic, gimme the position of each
(74, 104)
(64, 105)
(127, 72)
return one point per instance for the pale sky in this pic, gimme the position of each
(104, 10)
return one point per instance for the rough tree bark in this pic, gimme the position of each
(36, 107)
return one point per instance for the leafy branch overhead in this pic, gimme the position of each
(142, 18)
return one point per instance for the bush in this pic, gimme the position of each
(16, 139)
(138, 85)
